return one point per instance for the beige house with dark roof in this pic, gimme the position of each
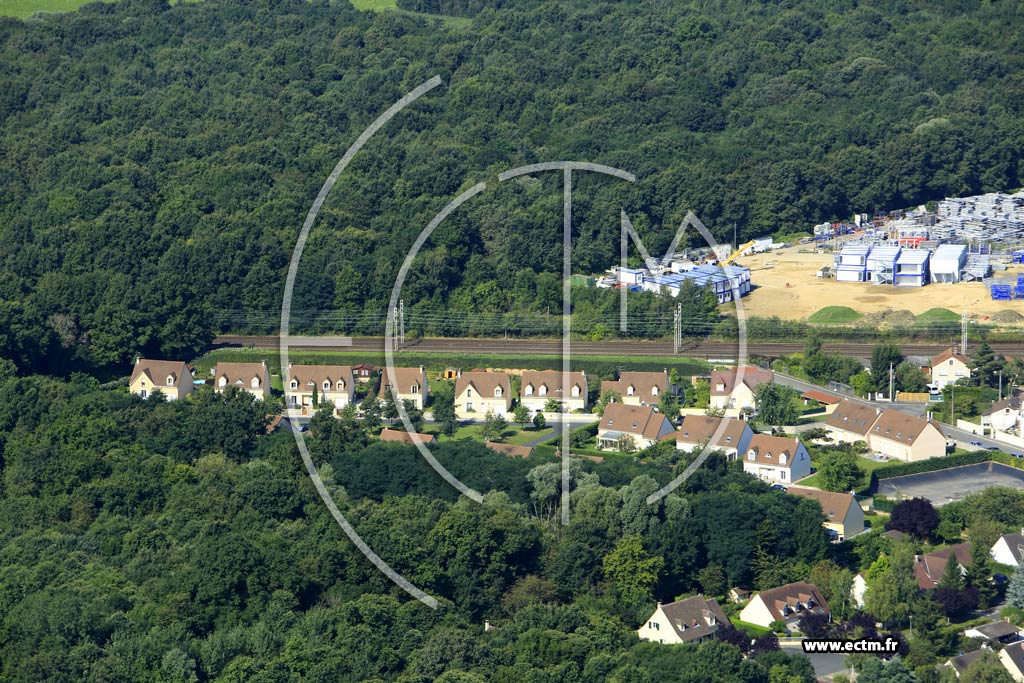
(734, 389)
(479, 392)
(844, 516)
(906, 437)
(777, 459)
(891, 432)
(949, 367)
(645, 425)
(411, 385)
(334, 385)
(691, 620)
(639, 388)
(251, 377)
(171, 378)
(1012, 659)
(540, 386)
(698, 431)
(786, 604)
(851, 421)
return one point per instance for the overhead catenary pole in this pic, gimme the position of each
(963, 333)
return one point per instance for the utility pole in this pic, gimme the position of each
(401, 320)
(952, 405)
(677, 329)
(963, 333)
(891, 397)
(1000, 385)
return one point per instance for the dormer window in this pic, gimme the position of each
(170, 380)
(497, 392)
(751, 455)
(654, 391)
(529, 390)
(255, 383)
(543, 390)
(575, 391)
(782, 459)
(341, 385)
(415, 389)
(295, 384)
(223, 381)
(629, 390)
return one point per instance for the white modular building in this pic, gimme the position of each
(948, 262)
(912, 268)
(881, 264)
(851, 263)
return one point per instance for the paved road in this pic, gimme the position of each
(553, 347)
(825, 665)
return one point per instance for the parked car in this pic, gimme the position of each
(976, 443)
(778, 487)
(1017, 455)
(992, 448)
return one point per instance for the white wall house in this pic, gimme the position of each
(786, 604)
(476, 393)
(776, 459)
(949, 367)
(1009, 549)
(540, 386)
(691, 620)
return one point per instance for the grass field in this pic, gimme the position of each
(835, 314)
(511, 435)
(866, 465)
(937, 315)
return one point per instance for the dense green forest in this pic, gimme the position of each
(158, 161)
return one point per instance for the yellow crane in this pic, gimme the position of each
(736, 254)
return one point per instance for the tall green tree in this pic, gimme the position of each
(776, 404)
(883, 358)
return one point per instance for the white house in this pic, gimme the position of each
(698, 431)
(540, 386)
(735, 388)
(251, 377)
(411, 385)
(643, 424)
(1009, 549)
(949, 367)
(691, 620)
(1005, 415)
(476, 393)
(777, 459)
(786, 604)
(171, 378)
(331, 384)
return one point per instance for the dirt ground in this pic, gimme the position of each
(786, 286)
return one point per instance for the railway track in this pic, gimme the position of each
(553, 347)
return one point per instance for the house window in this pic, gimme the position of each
(750, 456)
(629, 391)
(295, 384)
(170, 381)
(292, 400)
(543, 390)
(255, 383)
(469, 394)
(223, 381)
(415, 389)
(782, 459)
(341, 386)
(497, 392)
(782, 475)
(529, 390)
(654, 391)
(469, 407)
(575, 391)
(327, 385)
(143, 393)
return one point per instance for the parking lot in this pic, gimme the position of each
(945, 486)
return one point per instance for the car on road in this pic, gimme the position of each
(976, 443)
(778, 487)
(992, 448)
(1017, 455)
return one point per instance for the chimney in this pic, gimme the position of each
(264, 362)
(488, 626)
